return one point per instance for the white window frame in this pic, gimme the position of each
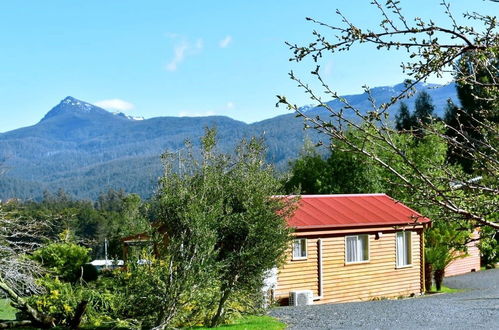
(368, 249)
(407, 236)
(299, 257)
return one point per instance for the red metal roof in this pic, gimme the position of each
(356, 210)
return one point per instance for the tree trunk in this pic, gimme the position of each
(220, 310)
(439, 277)
(427, 276)
(80, 310)
(166, 316)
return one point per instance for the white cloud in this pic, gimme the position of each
(230, 105)
(225, 42)
(196, 114)
(115, 104)
(181, 50)
(179, 55)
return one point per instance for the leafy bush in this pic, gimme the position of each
(144, 292)
(489, 247)
(64, 260)
(59, 301)
(106, 306)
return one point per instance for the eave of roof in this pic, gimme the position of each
(380, 224)
(352, 211)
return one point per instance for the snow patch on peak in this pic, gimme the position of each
(307, 107)
(71, 101)
(121, 114)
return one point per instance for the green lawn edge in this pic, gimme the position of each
(445, 289)
(251, 322)
(7, 312)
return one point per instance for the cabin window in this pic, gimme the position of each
(357, 248)
(403, 248)
(300, 249)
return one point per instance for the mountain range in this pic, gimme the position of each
(86, 150)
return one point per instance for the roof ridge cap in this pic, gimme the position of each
(342, 195)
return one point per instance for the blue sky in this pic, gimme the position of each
(170, 58)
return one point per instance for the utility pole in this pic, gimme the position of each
(105, 251)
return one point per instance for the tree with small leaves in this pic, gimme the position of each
(223, 229)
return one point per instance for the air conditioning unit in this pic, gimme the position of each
(301, 298)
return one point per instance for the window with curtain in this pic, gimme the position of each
(403, 248)
(300, 248)
(357, 248)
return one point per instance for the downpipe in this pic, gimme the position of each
(319, 270)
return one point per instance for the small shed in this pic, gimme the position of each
(353, 247)
(468, 261)
(101, 264)
(142, 240)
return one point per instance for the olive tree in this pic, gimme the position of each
(252, 234)
(221, 227)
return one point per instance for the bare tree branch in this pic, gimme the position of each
(472, 55)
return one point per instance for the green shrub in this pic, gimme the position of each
(59, 301)
(106, 305)
(143, 297)
(64, 260)
(489, 247)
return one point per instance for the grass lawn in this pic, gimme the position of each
(7, 312)
(253, 322)
(444, 289)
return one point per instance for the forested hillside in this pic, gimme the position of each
(86, 150)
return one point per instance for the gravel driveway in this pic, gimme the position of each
(476, 308)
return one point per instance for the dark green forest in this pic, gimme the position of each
(86, 153)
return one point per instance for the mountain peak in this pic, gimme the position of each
(68, 99)
(71, 101)
(77, 108)
(72, 106)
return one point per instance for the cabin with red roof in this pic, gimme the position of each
(353, 248)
